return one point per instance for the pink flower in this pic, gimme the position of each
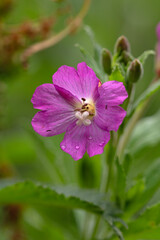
(76, 105)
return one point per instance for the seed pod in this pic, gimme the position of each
(107, 61)
(134, 71)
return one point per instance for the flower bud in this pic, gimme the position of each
(107, 61)
(135, 71)
(121, 45)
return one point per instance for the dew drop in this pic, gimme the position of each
(63, 147)
(101, 144)
(77, 147)
(90, 138)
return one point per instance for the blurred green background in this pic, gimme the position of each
(38, 158)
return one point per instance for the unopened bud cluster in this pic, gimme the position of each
(133, 68)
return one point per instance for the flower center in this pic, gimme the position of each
(85, 113)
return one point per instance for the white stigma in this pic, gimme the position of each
(82, 118)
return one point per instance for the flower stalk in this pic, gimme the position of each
(128, 130)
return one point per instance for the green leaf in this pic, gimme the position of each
(147, 188)
(142, 58)
(32, 193)
(117, 73)
(120, 183)
(91, 62)
(116, 230)
(97, 48)
(146, 234)
(155, 199)
(146, 133)
(147, 225)
(127, 163)
(148, 93)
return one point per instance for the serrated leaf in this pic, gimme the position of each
(142, 58)
(91, 62)
(28, 192)
(148, 93)
(117, 73)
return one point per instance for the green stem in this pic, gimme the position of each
(109, 161)
(110, 154)
(96, 226)
(129, 128)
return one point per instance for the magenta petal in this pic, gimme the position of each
(110, 118)
(67, 77)
(82, 83)
(74, 141)
(112, 93)
(69, 97)
(88, 80)
(52, 122)
(46, 97)
(96, 140)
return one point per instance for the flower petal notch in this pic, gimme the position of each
(81, 107)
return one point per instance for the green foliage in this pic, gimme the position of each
(91, 62)
(31, 193)
(146, 226)
(117, 73)
(120, 184)
(152, 89)
(146, 133)
(97, 49)
(142, 58)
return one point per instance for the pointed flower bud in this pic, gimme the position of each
(121, 45)
(107, 61)
(135, 71)
(157, 63)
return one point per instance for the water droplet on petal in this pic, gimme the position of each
(63, 147)
(77, 147)
(90, 137)
(101, 144)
